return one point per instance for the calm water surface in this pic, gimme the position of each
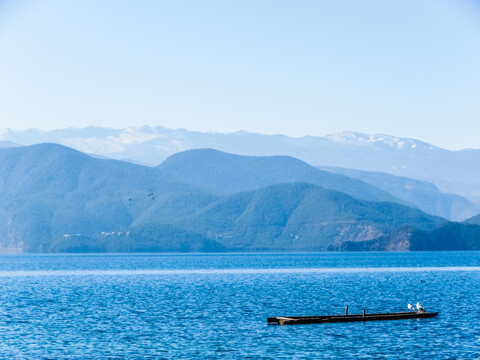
(215, 306)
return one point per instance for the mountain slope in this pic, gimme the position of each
(49, 191)
(53, 198)
(7, 144)
(451, 171)
(229, 173)
(300, 217)
(426, 196)
(473, 220)
(451, 236)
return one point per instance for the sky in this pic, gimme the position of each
(407, 68)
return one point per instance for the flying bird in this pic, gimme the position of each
(410, 307)
(420, 308)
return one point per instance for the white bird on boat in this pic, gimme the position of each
(410, 307)
(420, 307)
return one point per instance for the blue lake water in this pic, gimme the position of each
(215, 306)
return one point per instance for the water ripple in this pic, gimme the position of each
(126, 272)
(122, 307)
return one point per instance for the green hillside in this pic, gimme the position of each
(424, 195)
(229, 173)
(300, 217)
(449, 236)
(55, 199)
(49, 192)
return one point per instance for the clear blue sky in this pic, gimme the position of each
(408, 68)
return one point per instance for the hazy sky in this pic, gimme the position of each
(408, 68)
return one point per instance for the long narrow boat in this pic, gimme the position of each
(296, 320)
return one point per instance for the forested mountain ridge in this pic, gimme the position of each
(424, 195)
(452, 171)
(53, 198)
(230, 173)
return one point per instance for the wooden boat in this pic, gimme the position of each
(297, 320)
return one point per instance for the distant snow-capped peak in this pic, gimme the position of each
(356, 138)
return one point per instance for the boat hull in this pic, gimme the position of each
(297, 320)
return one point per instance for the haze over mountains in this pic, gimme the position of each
(451, 171)
(230, 173)
(54, 198)
(424, 195)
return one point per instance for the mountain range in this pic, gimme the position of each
(57, 199)
(424, 195)
(230, 173)
(451, 171)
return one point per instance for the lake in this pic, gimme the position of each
(215, 306)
